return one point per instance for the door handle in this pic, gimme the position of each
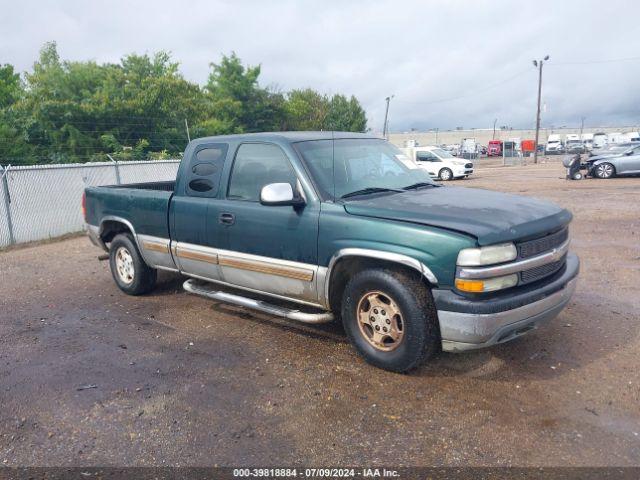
(227, 218)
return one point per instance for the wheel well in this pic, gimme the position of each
(111, 228)
(348, 266)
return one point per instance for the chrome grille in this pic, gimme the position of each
(537, 273)
(543, 244)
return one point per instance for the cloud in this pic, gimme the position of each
(447, 63)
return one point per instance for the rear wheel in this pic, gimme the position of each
(132, 275)
(605, 170)
(445, 174)
(390, 318)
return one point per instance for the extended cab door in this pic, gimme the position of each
(194, 212)
(272, 249)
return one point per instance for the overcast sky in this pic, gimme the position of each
(448, 63)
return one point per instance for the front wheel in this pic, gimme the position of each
(445, 174)
(132, 275)
(390, 318)
(605, 170)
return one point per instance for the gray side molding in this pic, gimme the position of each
(378, 254)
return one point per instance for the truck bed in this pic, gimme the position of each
(161, 186)
(144, 205)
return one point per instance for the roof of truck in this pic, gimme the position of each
(287, 136)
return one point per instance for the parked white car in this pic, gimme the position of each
(439, 163)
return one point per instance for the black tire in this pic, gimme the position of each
(142, 277)
(419, 318)
(577, 176)
(445, 174)
(604, 170)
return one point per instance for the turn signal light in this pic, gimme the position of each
(487, 284)
(469, 285)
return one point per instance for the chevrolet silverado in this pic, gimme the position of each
(318, 226)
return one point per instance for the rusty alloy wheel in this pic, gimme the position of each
(380, 321)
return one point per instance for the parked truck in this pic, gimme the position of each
(599, 140)
(554, 145)
(341, 226)
(494, 148)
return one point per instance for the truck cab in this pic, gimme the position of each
(554, 145)
(494, 148)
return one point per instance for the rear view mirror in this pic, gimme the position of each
(280, 194)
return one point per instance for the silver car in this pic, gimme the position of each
(621, 162)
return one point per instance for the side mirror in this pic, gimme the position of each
(275, 194)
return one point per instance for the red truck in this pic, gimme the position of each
(494, 149)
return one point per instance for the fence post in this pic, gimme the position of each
(7, 202)
(115, 163)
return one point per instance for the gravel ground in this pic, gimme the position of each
(90, 376)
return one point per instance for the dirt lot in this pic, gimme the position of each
(180, 380)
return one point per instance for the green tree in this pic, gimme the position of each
(238, 103)
(306, 110)
(72, 111)
(309, 110)
(346, 115)
(14, 147)
(10, 86)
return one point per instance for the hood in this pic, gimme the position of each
(601, 156)
(491, 217)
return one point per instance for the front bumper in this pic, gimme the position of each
(467, 324)
(462, 172)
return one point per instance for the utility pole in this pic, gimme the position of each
(538, 63)
(581, 126)
(494, 129)
(386, 116)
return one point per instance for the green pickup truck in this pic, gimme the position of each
(316, 226)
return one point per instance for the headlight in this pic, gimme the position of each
(473, 257)
(487, 284)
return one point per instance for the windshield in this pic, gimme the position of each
(442, 153)
(343, 166)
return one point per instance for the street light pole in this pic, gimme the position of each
(538, 63)
(386, 116)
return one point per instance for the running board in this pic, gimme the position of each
(192, 286)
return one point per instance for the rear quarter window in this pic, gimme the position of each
(205, 170)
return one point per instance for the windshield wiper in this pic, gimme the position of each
(415, 186)
(368, 190)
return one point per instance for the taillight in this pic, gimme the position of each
(84, 206)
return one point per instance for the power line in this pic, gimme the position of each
(488, 87)
(589, 62)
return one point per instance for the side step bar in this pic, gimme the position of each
(192, 286)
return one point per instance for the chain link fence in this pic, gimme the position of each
(44, 201)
